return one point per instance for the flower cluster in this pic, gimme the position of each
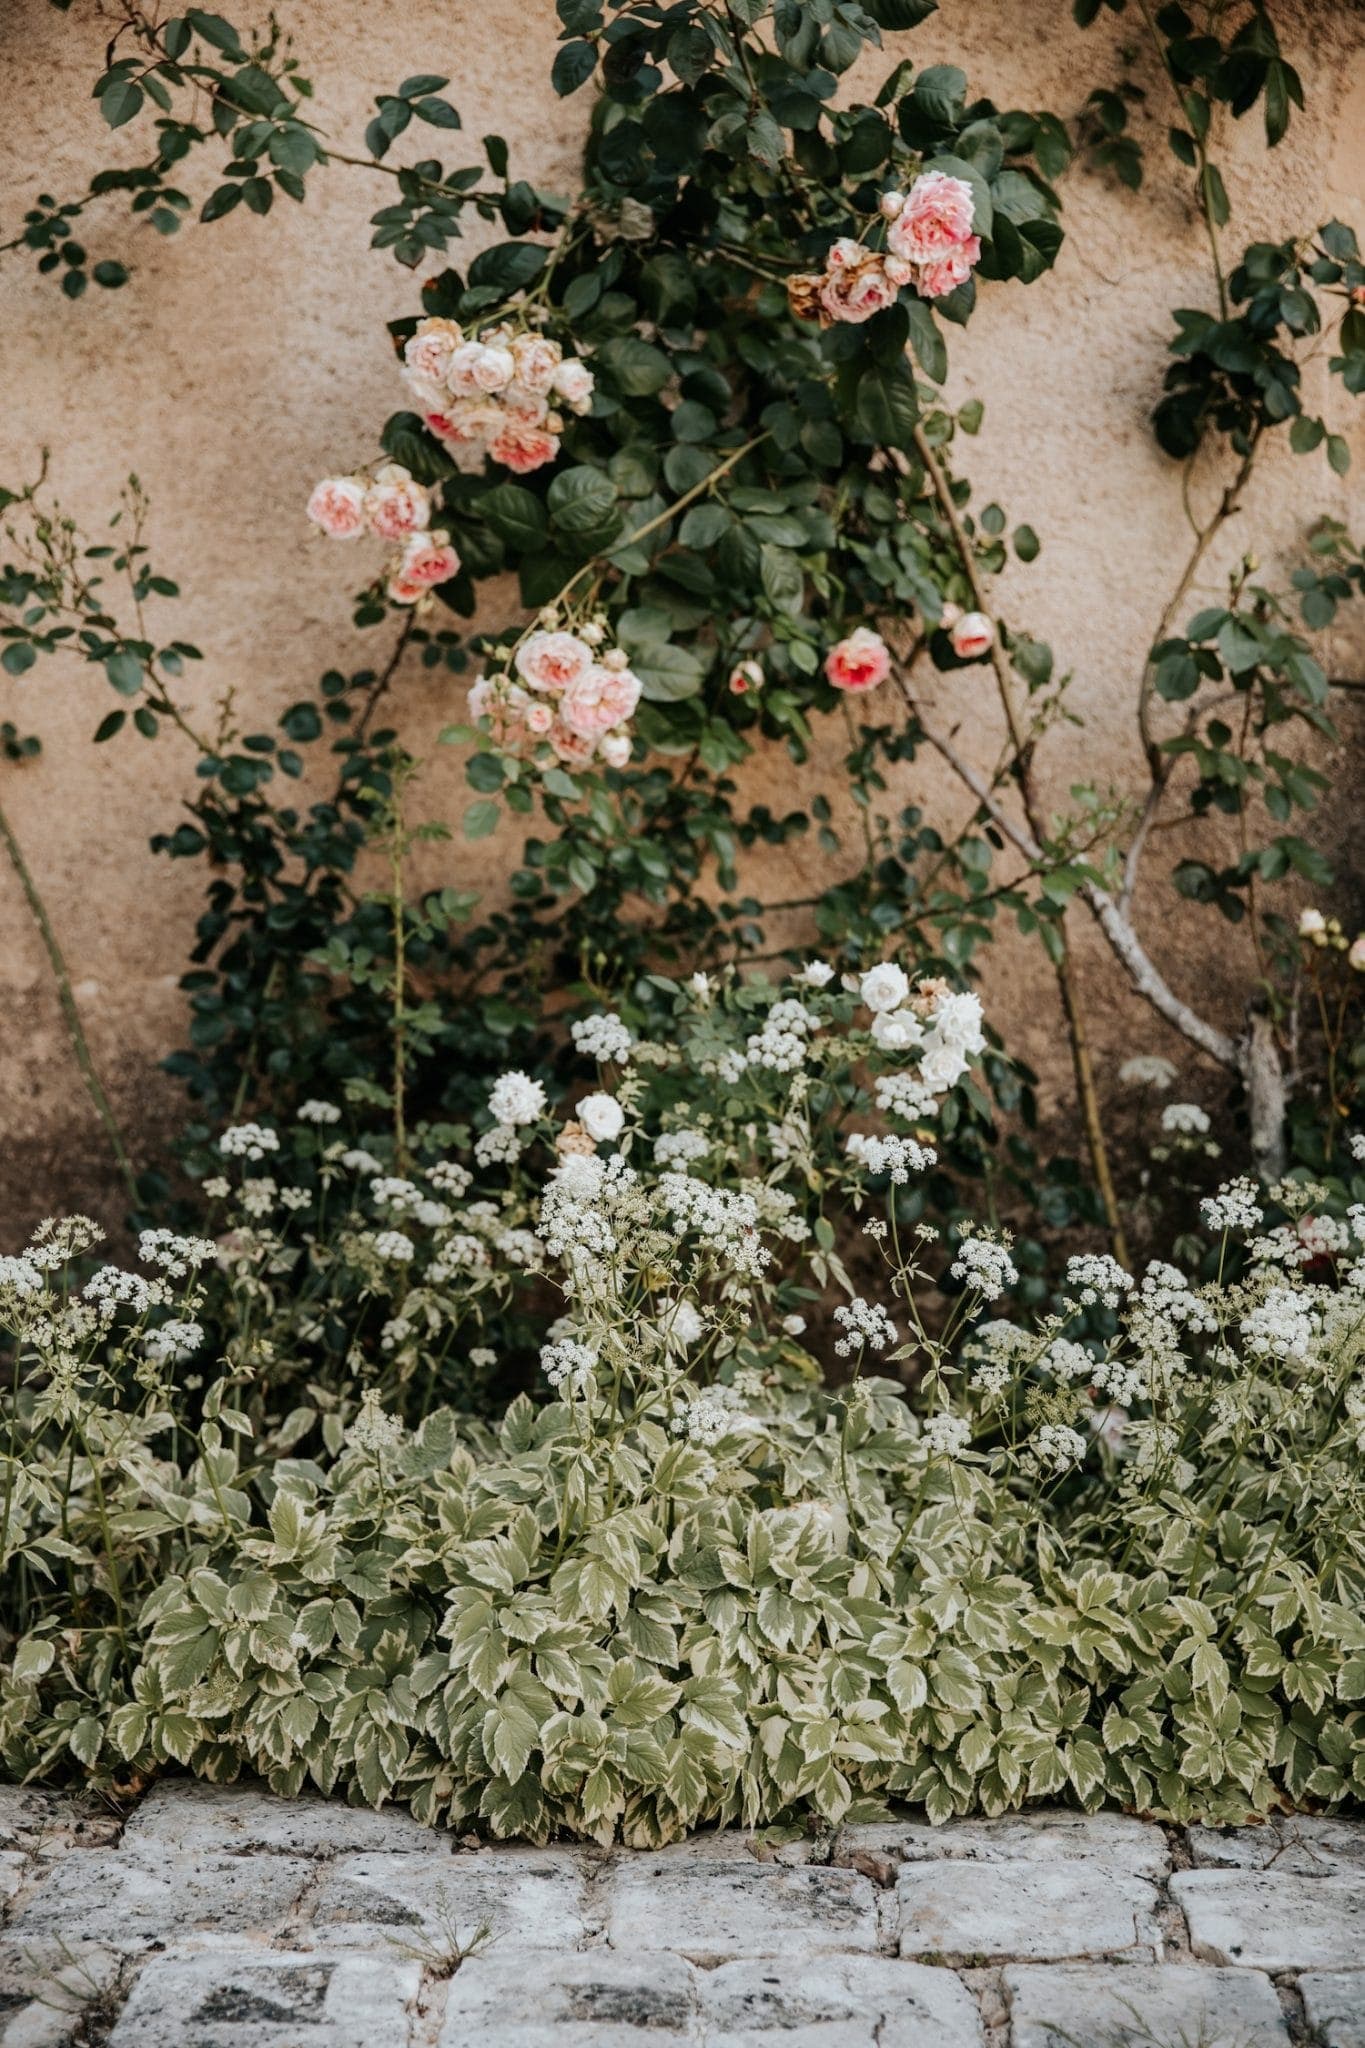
(930, 247)
(493, 395)
(392, 506)
(564, 690)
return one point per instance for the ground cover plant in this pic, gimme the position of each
(571, 1380)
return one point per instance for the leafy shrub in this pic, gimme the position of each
(1114, 1552)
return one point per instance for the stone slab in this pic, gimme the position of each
(1302, 1842)
(264, 2000)
(1050, 1835)
(1274, 1920)
(1334, 2003)
(13, 1864)
(1023, 1909)
(215, 1820)
(46, 1987)
(836, 2002)
(102, 1895)
(502, 1998)
(31, 1816)
(1112, 2005)
(751, 1909)
(438, 1903)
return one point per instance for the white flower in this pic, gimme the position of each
(247, 1141)
(373, 1432)
(699, 985)
(942, 1067)
(173, 1343)
(393, 1245)
(793, 1326)
(1311, 922)
(1057, 1448)
(897, 1030)
(601, 1116)
(984, 1266)
(1067, 1360)
(1357, 1144)
(1184, 1119)
(568, 1365)
(357, 1160)
(884, 987)
(516, 1099)
(867, 1326)
(678, 1148)
(1283, 1326)
(483, 1358)
(1147, 1070)
(20, 1276)
(1098, 1278)
(602, 1038)
(816, 974)
(499, 1146)
(681, 1323)
(175, 1255)
(947, 1435)
(957, 1022)
(1234, 1207)
(707, 1416)
(450, 1177)
(315, 1112)
(899, 1157)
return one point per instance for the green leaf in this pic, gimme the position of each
(125, 672)
(574, 64)
(516, 515)
(120, 101)
(481, 818)
(886, 406)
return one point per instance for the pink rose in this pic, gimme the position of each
(935, 220)
(615, 749)
(428, 352)
(427, 558)
(504, 705)
(746, 676)
(971, 635)
(860, 662)
(936, 280)
(536, 358)
(597, 701)
(572, 747)
(337, 505)
(396, 504)
(524, 448)
(492, 369)
(404, 590)
(551, 661)
(539, 716)
(854, 295)
(573, 382)
(845, 254)
(526, 408)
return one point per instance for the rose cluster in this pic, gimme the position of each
(392, 506)
(929, 247)
(566, 689)
(492, 395)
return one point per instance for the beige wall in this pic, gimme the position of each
(246, 359)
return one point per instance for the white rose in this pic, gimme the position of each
(615, 749)
(885, 986)
(942, 1068)
(1311, 922)
(897, 1030)
(602, 1117)
(573, 382)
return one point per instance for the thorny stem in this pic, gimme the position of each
(75, 1029)
(1022, 766)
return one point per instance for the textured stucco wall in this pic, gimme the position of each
(246, 359)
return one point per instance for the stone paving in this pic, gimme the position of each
(223, 1918)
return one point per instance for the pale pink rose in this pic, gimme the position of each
(845, 254)
(597, 701)
(551, 661)
(853, 296)
(860, 662)
(522, 449)
(1355, 956)
(460, 375)
(337, 505)
(536, 358)
(396, 504)
(572, 747)
(971, 635)
(527, 408)
(615, 749)
(573, 382)
(936, 280)
(539, 716)
(427, 353)
(493, 369)
(404, 589)
(898, 271)
(427, 558)
(481, 698)
(935, 220)
(890, 204)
